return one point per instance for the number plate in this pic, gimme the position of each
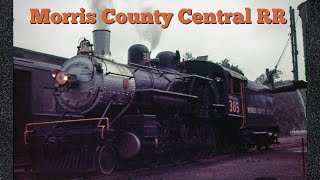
(234, 105)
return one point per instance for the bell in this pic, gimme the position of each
(84, 47)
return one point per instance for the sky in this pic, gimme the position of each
(253, 47)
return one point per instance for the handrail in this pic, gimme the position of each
(243, 102)
(107, 126)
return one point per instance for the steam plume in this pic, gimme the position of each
(149, 32)
(98, 6)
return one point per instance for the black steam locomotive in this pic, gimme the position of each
(148, 109)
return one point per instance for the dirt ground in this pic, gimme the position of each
(293, 139)
(280, 164)
(275, 165)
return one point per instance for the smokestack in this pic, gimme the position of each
(101, 43)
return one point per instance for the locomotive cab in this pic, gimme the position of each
(255, 125)
(227, 82)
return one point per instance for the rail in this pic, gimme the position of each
(103, 127)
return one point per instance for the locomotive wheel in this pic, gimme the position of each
(245, 143)
(176, 157)
(267, 145)
(106, 159)
(263, 141)
(267, 142)
(260, 143)
(212, 142)
(259, 147)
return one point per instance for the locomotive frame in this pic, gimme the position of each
(157, 108)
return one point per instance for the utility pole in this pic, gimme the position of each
(294, 48)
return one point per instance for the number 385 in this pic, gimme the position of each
(234, 106)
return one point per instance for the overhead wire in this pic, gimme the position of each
(283, 51)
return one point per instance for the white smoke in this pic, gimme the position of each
(98, 6)
(149, 32)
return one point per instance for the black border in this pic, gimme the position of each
(312, 59)
(6, 95)
(312, 74)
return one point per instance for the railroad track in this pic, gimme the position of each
(288, 146)
(127, 174)
(210, 160)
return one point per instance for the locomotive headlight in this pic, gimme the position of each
(62, 77)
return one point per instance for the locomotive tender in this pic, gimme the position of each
(148, 109)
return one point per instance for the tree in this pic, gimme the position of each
(283, 82)
(263, 77)
(226, 63)
(188, 56)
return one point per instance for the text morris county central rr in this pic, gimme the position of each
(185, 16)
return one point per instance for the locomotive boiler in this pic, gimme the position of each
(146, 110)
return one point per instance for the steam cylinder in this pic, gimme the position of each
(101, 43)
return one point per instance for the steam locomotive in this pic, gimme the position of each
(146, 110)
